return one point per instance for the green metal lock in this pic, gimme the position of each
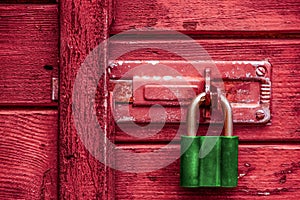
(219, 166)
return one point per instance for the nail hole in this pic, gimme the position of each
(48, 67)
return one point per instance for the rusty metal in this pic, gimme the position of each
(122, 91)
(261, 71)
(207, 74)
(260, 114)
(208, 95)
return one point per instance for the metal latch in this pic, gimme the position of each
(247, 86)
(165, 90)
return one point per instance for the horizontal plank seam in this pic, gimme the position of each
(27, 108)
(239, 35)
(244, 142)
(27, 4)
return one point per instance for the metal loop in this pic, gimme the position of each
(192, 114)
(228, 123)
(194, 107)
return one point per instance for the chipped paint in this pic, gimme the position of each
(167, 78)
(153, 62)
(125, 119)
(133, 61)
(120, 62)
(248, 75)
(112, 65)
(156, 78)
(263, 193)
(146, 77)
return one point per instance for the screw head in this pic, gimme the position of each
(261, 71)
(260, 114)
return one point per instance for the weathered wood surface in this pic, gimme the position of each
(28, 154)
(285, 104)
(194, 16)
(265, 172)
(83, 26)
(28, 53)
(29, 1)
(262, 173)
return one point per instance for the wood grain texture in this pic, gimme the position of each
(29, 1)
(83, 26)
(285, 102)
(263, 174)
(196, 16)
(28, 43)
(28, 154)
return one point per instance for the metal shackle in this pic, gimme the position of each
(194, 107)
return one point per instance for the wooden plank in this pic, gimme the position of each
(29, 1)
(28, 53)
(83, 26)
(196, 16)
(28, 154)
(262, 175)
(285, 104)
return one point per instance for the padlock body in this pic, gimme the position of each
(209, 161)
(189, 161)
(229, 159)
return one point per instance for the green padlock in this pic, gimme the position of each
(218, 167)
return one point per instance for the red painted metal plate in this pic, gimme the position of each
(247, 86)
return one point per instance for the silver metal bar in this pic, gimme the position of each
(192, 114)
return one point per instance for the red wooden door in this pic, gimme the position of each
(228, 30)
(43, 153)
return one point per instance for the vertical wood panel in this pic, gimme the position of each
(83, 26)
